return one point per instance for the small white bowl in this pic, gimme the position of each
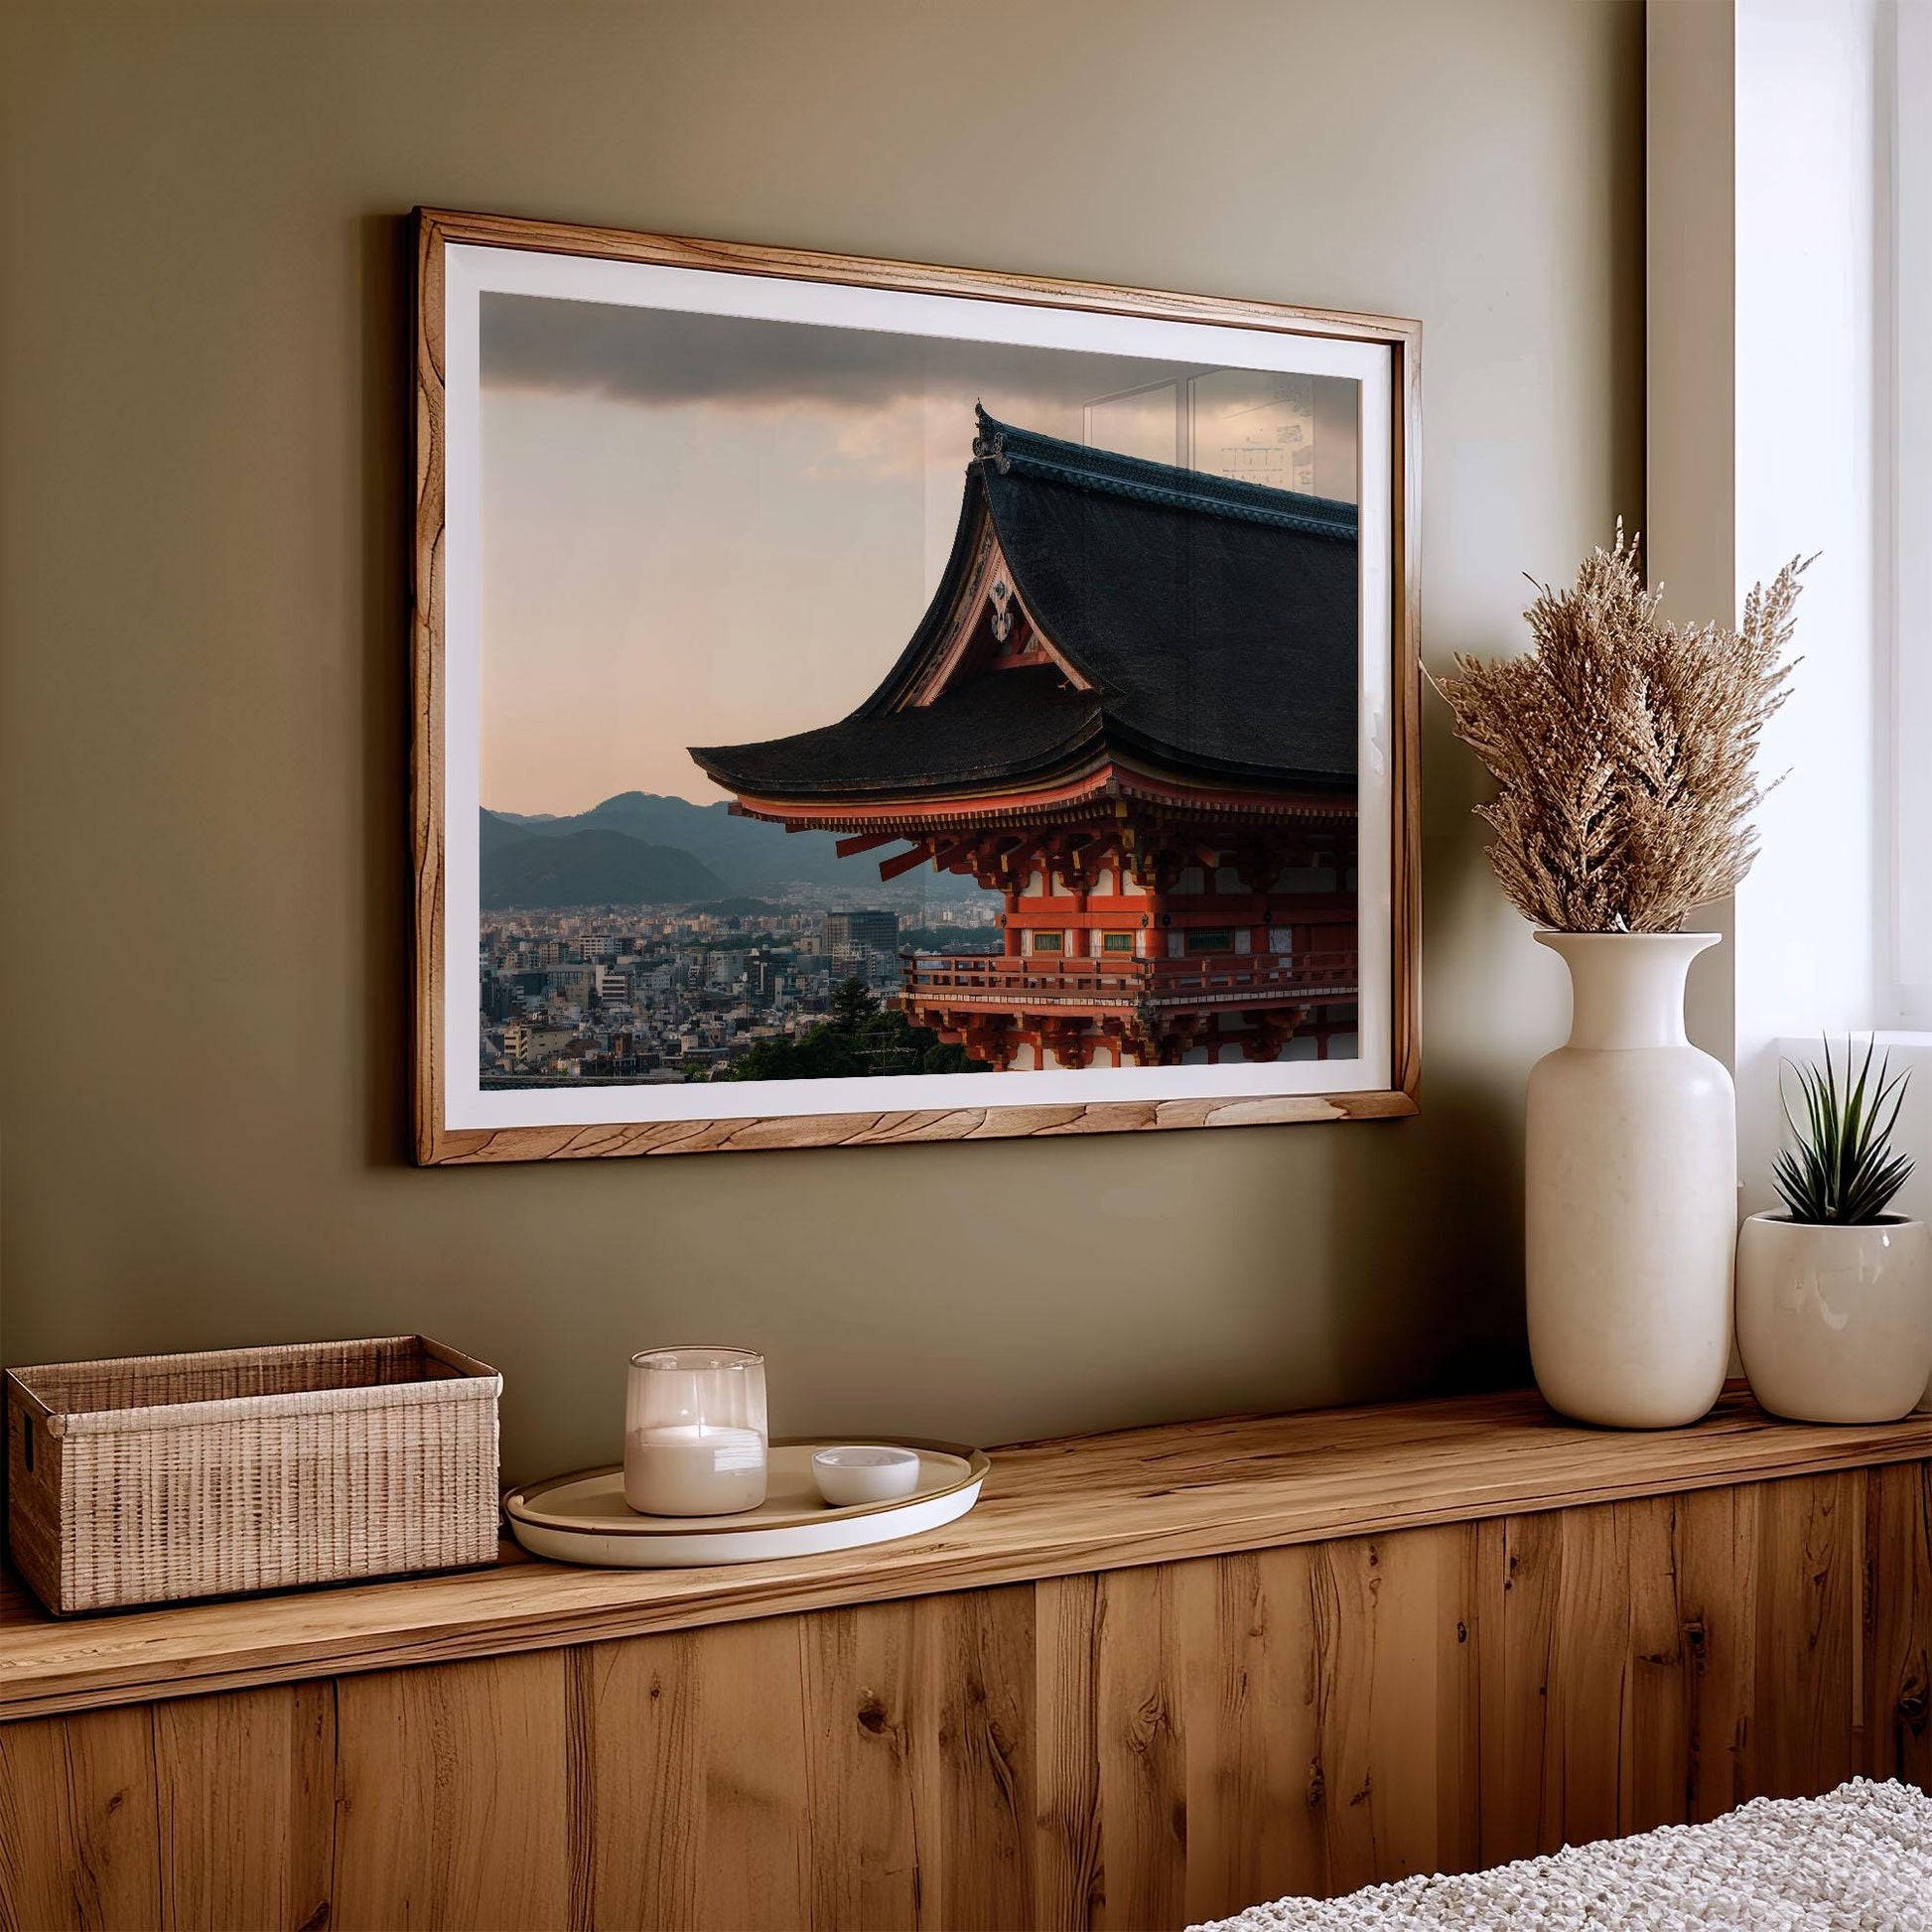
(864, 1473)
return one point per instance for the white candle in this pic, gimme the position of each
(693, 1469)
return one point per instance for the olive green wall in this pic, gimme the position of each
(205, 739)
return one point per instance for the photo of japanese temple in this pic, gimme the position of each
(1130, 709)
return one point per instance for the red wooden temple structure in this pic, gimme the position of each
(1130, 709)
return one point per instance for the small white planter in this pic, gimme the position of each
(1835, 1323)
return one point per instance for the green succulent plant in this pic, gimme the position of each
(1842, 1169)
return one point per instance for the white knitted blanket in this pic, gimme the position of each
(1858, 1860)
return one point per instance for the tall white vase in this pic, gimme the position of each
(1631, 1193)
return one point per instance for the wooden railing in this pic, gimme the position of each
(1218, 978)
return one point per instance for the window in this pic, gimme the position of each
(1285, 430)
(1116, 942)
(1147, 422)
(1210, 939)
(1049, 942)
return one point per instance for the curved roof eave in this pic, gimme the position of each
(1124, 739)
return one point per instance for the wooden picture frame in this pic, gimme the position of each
(440, 1139)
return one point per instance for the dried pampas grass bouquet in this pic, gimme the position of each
(1623, 748)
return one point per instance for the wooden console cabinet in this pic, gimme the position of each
(1154, 1676)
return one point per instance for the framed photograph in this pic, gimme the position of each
(858, 702)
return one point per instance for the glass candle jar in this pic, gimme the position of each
(694, 1432)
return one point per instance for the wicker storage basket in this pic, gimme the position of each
(161, 1476)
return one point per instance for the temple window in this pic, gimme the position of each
(1049, 942)
(1210, 939)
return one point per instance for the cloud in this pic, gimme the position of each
(659, 356)
(656, 355)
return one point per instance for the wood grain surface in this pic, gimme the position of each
(1139, 1747)
(79, 1837)
(699, 1765)
(453, 1796)
(245, 1791)
(1048, 1509)
(438, 1144)
(1897, 1676)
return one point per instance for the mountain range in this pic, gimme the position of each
(589, 868)
(639, 848)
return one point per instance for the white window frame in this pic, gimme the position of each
(1906, 994)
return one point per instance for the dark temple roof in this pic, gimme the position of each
(1218, 622)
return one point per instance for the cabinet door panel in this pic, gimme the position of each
(1898, 1680)
(77, 1840)
(455, 1797)
(1661, 1661)
(247, 1807)
(697, 1752)
(851, 1768)
(1238, 1727)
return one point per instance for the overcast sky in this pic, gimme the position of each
(704, 529)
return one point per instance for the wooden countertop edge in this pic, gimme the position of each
(72, 1665)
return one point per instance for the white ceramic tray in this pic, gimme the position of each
(583, 1518)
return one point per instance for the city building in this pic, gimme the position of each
(852, 939)
(1131, 709)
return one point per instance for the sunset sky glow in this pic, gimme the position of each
(703, 530)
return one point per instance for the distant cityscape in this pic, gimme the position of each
(741, 987)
